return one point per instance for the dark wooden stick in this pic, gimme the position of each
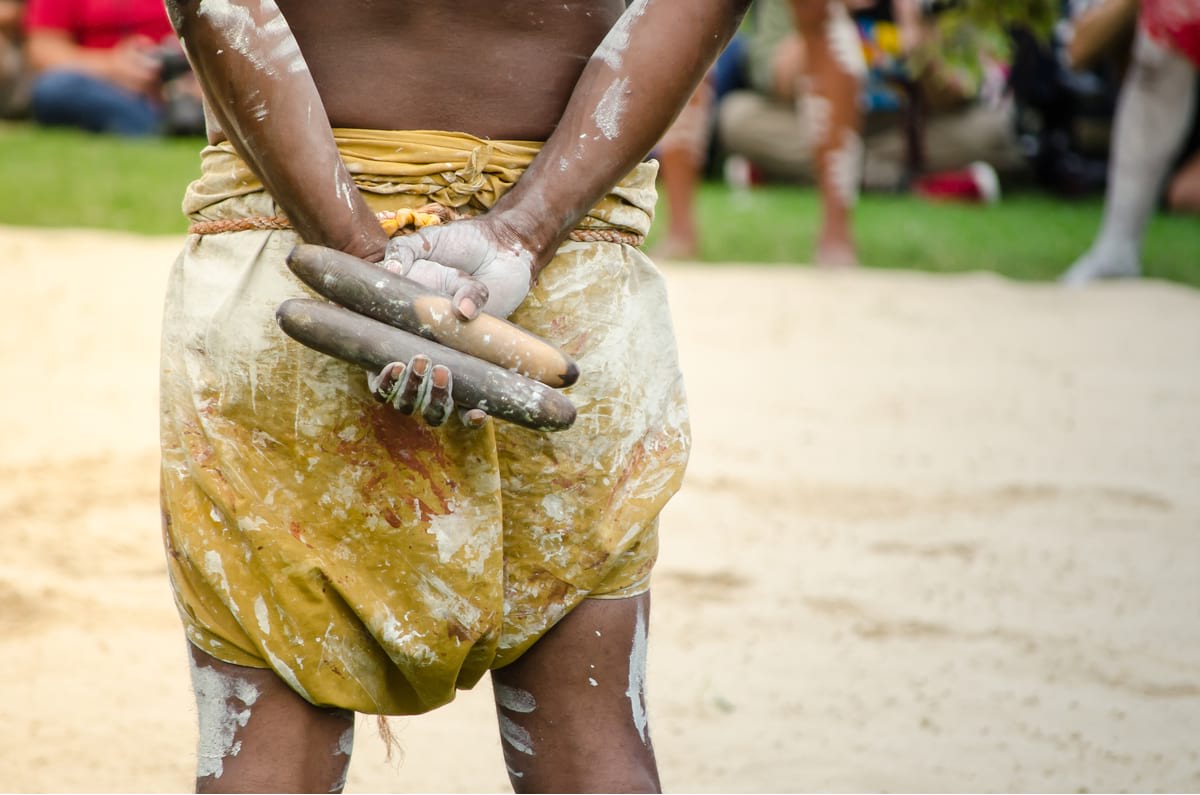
(370, 290)
(373, 345)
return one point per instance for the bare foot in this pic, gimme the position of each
(676, 248)
(836, 255)
(1103, 262)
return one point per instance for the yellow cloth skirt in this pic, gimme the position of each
(375, 563)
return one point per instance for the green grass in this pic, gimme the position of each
(56, 178)
(1027, 235)
(59, 178)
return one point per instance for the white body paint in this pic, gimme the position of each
(844, 43)
(816, 112)
(610, 109)
(516, 736)
(612, 50)
(515, 699)
(845, 167)
(220, 717)
(251, 41)
(637, 674)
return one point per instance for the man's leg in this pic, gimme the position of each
(572, 709)
(834, 71)
(77, 100)
(1153, 113)
(1184, 194)
(258, 735)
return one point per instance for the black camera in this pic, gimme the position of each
(172, 64)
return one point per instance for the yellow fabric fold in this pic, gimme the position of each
(397, 169)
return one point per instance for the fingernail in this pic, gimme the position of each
(420, 365)
(468, 308)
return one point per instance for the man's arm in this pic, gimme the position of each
(633, 87)
(260, 91)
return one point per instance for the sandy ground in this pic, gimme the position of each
(939, 534)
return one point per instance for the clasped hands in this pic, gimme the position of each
(484, 266)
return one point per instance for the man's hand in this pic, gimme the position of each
(134, 66)
(421, 388)
(480, 262)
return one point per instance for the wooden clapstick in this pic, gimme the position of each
(370, 290)
(373, 345)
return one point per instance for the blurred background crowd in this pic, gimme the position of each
(950, 100)
(937, 99)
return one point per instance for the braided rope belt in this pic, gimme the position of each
(402, 222)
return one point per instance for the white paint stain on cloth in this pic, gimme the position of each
(260, 613)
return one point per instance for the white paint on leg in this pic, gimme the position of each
(219, 716)
(816, 112)
(845, 168)
(344, 747)
(514, 699)
(844, 43)
(516, 736)
(637, 673)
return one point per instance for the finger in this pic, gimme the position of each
(473, 418)
(383, 384)
(468, 293)
(440, 402)
(408, 396)
(469, 298)
(399, 256)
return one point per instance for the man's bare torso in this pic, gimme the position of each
(496, 70)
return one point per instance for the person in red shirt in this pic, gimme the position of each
(107, 66)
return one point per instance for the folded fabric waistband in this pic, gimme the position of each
(408, 169)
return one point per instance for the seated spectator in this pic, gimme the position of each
(14, 72)
(771, 124)
(109, 66)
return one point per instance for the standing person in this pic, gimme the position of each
(331, 552)
(1154, 111)
(104, 66)
(834, 70)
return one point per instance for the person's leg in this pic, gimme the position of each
(1184, 194)
(572, 709)
(767, 133)
(258, 735)
(682, 154)
(834, 71)
(1153, 113)
(71, 99)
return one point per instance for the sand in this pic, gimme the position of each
(938, 534)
